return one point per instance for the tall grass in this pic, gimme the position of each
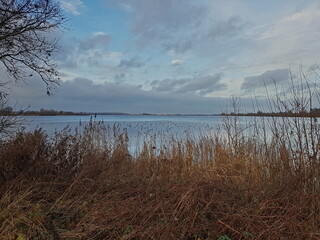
(264, 185)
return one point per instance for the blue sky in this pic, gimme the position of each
(175, 56)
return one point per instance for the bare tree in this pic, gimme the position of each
(25, 48)
(8, 122)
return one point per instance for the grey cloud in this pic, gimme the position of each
(267, 78)
(179, 46)
(63, 74)
(168, 84)
(102, 40)
(66, 56)
(130, 63)
(83, 94)
(314, 67)
(203, 85)
(90, 51)
(120, 77)
(228, 28)
(205, 36)
(164, 14)
(165, 22)
(177, 25)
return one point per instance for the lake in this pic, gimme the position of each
(139, 128)
(159, 130)
(134, 124)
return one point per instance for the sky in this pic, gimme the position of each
(175, 56)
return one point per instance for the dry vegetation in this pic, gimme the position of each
(233, 186)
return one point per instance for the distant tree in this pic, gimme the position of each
(7, 110)
(25, 48)
(259, 112)
(8, 123)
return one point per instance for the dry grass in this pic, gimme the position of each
(89, 187)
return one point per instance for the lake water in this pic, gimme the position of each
(134, 124)
(159, 129)
(139, 128)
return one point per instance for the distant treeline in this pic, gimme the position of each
(50, 112)
(315, 112)
(41, 112)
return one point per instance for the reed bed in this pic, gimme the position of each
(88, 185)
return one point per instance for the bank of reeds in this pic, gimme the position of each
(264, 185)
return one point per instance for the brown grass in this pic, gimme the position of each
(89, 187)
(265, 185)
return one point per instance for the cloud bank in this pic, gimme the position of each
(82, 94)
(265, 79)
(200, 85)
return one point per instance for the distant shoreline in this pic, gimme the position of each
(67, 113)
(62, 113)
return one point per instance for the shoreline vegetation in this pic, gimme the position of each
(88, 186)
(233, 186)
(44, 112)
(259, 180)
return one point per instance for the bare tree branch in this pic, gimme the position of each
(24, 45)
(25, 48)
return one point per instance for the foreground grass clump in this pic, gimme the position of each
(88, 186)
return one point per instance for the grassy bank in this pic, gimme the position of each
(88, 186)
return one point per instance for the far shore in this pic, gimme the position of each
(312, 114)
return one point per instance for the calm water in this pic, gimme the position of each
(158, 130)
(140, 128)
(134, 124)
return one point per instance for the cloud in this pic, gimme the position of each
(227, 28)
(83, 94)
(204, 85)
(92, 58)
(314, 67)
(178, 26)
(88, 52)
(130, 63)
(72, 6)
(265, 79)
(292, 38)
(177, 62)
(98, 40)
(201, 85)
(163, 14)
(120, 77)
(168, 85)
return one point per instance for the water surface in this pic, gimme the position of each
(134, 124)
